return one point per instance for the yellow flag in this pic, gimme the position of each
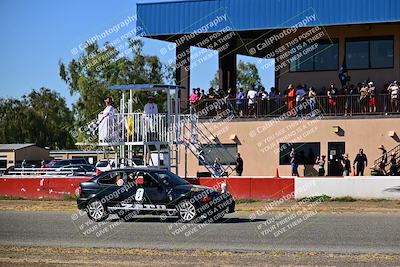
(130, 126)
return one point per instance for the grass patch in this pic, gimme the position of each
(245, 201)
(323, 198)
(343, 199)
(10, 198)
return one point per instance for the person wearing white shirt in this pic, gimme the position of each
(150, 110)
(150, 107)
(252, 98)
(105, 121)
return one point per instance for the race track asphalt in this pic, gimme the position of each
(323, 232)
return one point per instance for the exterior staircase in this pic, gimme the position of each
(395, 150)
(206, 147)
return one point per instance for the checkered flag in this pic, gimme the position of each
(92, 128)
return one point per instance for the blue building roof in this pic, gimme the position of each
(181, 17)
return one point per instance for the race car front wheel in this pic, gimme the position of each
(96, 211)
(186, 211)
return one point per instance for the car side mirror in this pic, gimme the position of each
(140, 180)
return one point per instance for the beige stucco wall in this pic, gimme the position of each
(324, 78)
(9, 156)
(358, 133)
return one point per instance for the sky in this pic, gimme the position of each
(37, 35)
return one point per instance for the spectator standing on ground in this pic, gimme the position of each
(252, 100)
(312, 96)
(291, 97)
(393, 165)
(321, 165)
(218, 167)
(394, 96)
(42, 164)
(382, 163)
(239, 165)
(371, 94)
(294, 162)
(346, 165)
(360, 162)
(240, 101)
(202, 95)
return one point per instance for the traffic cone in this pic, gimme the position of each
(277, 172)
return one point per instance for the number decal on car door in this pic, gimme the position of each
(139, 194)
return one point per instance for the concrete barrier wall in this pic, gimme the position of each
(58, 188)
(40, 188)
(256, 188)
(366, 187)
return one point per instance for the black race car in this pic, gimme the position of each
(128, 192)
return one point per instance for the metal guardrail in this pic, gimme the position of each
(338, 105)
(39, 172)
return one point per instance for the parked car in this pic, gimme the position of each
(131, 191)
(78, 170)
(60, 163)
(105, 165)
(109, 164)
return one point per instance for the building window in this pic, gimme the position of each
(321, 56)
(225, 152)
(306, 152)
(369, 54)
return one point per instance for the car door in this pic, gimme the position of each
(112, 191)
(152, 191)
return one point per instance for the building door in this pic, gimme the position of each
(335, 153)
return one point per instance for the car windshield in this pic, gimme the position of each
(138, 162)
(102, 164)
(170, 179)
(88, 168)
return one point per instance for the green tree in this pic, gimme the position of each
(98, 68)
(214, 82)
(41, 117)
(247, 75)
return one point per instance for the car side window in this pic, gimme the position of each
(148, 180)
(111, 178)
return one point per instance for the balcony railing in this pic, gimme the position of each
(139, 128)
(341, 105)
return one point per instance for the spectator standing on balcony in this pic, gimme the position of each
(312, 97)
(194, 100)
(346, 165)
(202, 95)
(331, 93)
(393, 165)
(382, 163)
(371, 94)
(239, 165)
(385, 96)
(291, 98)
(240, 101)
(300, 97)
(394, 96)
(364, 98)
(294, 162)
(321, 165)
(360, 162)
(252, 101)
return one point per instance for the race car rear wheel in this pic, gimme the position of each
(186, 211)
(96, 211)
